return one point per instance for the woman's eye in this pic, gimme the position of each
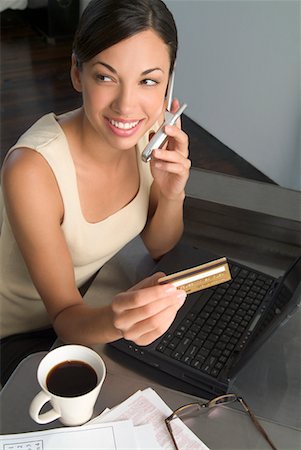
(103, 78)
(149, 82)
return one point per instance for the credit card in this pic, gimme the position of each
(200, 277)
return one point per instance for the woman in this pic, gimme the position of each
(76, 191)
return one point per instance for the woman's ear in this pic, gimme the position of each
(75, 74)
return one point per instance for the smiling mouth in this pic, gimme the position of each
(124, 125)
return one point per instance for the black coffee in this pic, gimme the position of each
(71, 379)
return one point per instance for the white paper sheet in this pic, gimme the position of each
(108, 436)
(146, 438)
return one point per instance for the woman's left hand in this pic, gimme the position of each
(170, 165)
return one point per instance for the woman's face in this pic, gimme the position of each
(124, 87)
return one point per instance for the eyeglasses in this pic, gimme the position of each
(193, 409)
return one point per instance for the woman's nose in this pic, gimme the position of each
(124, 101)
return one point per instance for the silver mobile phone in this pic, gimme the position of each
(159, 138)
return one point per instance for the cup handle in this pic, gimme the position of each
(36, 405)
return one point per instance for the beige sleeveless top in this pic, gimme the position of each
(90, 244)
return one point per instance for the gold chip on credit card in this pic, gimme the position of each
(199, 277)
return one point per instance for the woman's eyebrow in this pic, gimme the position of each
(146, 72)
(111, 69)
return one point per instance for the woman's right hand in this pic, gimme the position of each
(146, 311)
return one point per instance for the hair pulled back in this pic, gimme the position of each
(107, 22)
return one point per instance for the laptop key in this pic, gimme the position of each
(208, 345)
(173, 343)
(186, 359)
(167, 351)
(234, 270)
(196, 363)
(183, 346)
(191, 334)
(192, 351)
(203, 352)
(195, 328)
(244, 273)
(176, 355)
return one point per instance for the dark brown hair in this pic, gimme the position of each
(107, 22)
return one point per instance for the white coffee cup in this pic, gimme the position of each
(72, 408)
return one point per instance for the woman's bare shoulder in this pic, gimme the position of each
(25, 163)
(27, 175)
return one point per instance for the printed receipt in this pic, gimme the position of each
(147, 407)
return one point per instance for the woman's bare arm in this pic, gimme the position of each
(35, 210)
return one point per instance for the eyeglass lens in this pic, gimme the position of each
(222, 400)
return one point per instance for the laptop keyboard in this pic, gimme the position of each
(213, 328)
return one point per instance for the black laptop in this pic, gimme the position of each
(218, 329)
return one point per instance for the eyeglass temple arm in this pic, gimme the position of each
(167, 423)
(256, 422)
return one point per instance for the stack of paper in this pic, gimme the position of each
(147, 411)
(137, 423)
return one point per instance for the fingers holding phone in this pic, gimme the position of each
(160, 138)
(170, 165)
